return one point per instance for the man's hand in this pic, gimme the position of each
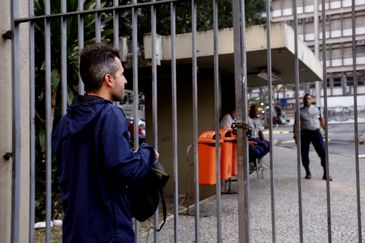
(157, 155)
(252, 144)
(261, 135)
(322, 122)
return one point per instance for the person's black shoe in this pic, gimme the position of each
(325, 178)
(308, 176)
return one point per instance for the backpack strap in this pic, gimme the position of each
(164, 210)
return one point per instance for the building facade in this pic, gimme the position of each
(339, 57)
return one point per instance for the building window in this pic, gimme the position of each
(337, 82)
(350, 81)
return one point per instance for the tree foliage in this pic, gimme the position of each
(204, 9)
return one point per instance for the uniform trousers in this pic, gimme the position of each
(315, 137)
(260, 150)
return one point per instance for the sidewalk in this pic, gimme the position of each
(342, 197)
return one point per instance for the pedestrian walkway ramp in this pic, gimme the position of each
(343, 205)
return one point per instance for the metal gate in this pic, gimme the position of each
(101, 21)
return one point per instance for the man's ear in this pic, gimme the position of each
(108, 80)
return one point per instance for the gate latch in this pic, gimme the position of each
(243, 125)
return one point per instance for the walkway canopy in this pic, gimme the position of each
(283, 53)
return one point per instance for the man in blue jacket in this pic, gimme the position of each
(91, 144)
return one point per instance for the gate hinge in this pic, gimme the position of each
(7, 155)
(8, 35)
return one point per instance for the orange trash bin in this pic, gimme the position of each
(234, 156)
(227, 153)
(207, 158)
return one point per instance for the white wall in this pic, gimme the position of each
(6, 125)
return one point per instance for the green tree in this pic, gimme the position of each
(253, 9)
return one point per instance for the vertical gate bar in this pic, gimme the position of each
(269, 74)
(135, 72)
(356, 131)
(297, 119)
(316, 49)
(241, 108)
(80, 21)
(97, 23)
(116, 25)
(31, 125)
(47, 30)
(245, 167)
(174, 121)
(135, 90)
(195, 121)
(16, 126)
(217, 105)
(316, 29)
(154, 100)
(324, 63)
(64, 57)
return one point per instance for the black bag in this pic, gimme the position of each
(144, 196)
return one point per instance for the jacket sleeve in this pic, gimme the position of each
(123, 164)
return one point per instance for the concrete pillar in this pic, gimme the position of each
(5, 125)
(6, 133)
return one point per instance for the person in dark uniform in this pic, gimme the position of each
(311, 121)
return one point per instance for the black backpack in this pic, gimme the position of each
(144, 196)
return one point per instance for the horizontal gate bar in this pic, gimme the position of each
(91, 11)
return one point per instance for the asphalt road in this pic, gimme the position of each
(341, 138)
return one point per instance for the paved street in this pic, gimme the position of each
(314, 205)
(341, 138)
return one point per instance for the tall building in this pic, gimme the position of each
(338, 28)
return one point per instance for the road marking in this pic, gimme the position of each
(287, 141)
(276, 132)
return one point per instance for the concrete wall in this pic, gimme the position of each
(6, 132)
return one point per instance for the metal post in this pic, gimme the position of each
(97, 23)
(324, 62)
(154, 97)
(47, 30)
(356, 130)
(174, 121)
(269, 73)
(32, 126)
(316, 50)
(297, 119)
(64, 57)
(217, 105)
(15, 222)
(135, 89)
(80, 21)
(115, 25)
(241, 108)
(195, 120)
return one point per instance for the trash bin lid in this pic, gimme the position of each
(208, 137)
(227, 135)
